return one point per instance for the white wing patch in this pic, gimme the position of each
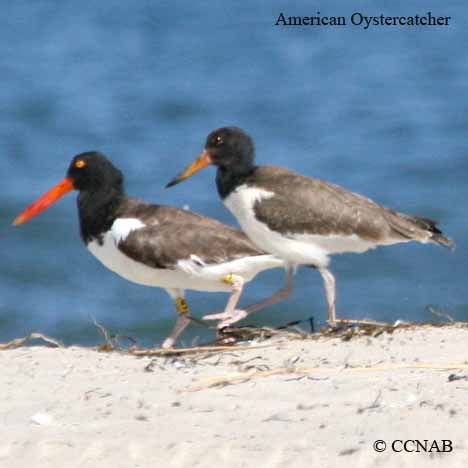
(122, 227)
(197, 260)
(243, 199)
(192, 266)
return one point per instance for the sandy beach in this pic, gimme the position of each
(295, 403)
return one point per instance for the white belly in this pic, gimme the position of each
(298, 249)
(186, 274)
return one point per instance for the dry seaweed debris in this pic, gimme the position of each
(228, 340)
(205, 349)
(231, 338)
(111, 342)
(17, 342)
(241, 377)
(232, 335)
(348, 328)
(248, 337)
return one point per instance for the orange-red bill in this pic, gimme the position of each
(42, 203)
(202, 161)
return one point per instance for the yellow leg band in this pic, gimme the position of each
(181, 305)
(229, 279)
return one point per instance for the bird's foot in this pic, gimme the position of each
(332, 323)
(237, 315)
(227, 318)
(168, 343)
(219, 316)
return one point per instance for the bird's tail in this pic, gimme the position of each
(418, 228)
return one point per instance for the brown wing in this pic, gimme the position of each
(305, 205)
(173, 234)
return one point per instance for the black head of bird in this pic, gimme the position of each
(88, 172)
(228, 148)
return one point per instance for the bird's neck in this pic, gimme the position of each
(227, 180)
(97, 210)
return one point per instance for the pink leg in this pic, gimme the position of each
(180, 326)
(230, 312)
(239, 314)
(183, 318)
(330, 291)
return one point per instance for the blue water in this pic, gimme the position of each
(383, 112)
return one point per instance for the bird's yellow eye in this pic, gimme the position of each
(80, 163)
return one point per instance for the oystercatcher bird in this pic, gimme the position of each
(301, 219)
(157, 245)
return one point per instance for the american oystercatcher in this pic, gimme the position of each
(157, 245)
(300, 219)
